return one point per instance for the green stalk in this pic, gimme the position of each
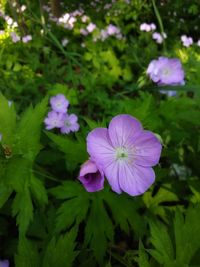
(159, 22)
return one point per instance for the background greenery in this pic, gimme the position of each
(47, 218)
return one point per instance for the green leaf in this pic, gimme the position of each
(99, 229)
(5, 193)
(143, 259)
(27, 255)
(187, 232)
(75, 208)
(7, 121)
(38, 190)
(127, 218)
(60, 253)
(29, 130)
(160, 239)
(22, 207)
(75, 151)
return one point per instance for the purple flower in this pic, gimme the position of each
(54, 120)
(153, 26)
(91, 177)
(65, 41)
(59, 103)
(125, 152)
(145, 27)
(26, 38)
(112, 29)
(91, 27)
(69, 124)
(15, 38)
(4, 263)
(166, 71)
(198, 43)
(187, 41)
(159, 37)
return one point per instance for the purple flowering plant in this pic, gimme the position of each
(125, 153)
(59, 118)
(103, 196)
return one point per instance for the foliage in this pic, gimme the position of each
(47, 218)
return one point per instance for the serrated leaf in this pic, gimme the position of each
(5, 192)
(22, 207)
(38, 190)
(160, 239)
(27, 255)
(99, 229)
(18, 172)
(143, 259)
(75, 151)
(60, 253)
(187, 232)
(7, 121)
(125, 217)
(29, 130)
(75, 208)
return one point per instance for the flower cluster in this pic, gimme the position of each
(147, 27)
(187, 41)
(166, 71)
(124, 153)
(158, 37)
(58, 116)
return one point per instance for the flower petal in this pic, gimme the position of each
(148, 149)
(91, 177)
(99, 147)
(111, 171)
(123, 129)
(135, 180)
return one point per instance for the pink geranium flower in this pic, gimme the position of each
(126, 153)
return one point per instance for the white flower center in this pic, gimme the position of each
(166, 71)
(121, 153)
(58, 104)
(68, 123)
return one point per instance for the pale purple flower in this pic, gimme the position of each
(145, 27)
(59, 103)
(4, 263)
(166, 71)
(26, 38)
(84, 19)
(91, 177)
(91, 27)
(187, 41)
(125, 152)
(71, 22)
(159, 37)
(70, 123)
(112, 29)
(198, 43)
(65, 41)
(54, 120)
(153, 26)
(83, 32)
(103, 35)
(15, 38)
